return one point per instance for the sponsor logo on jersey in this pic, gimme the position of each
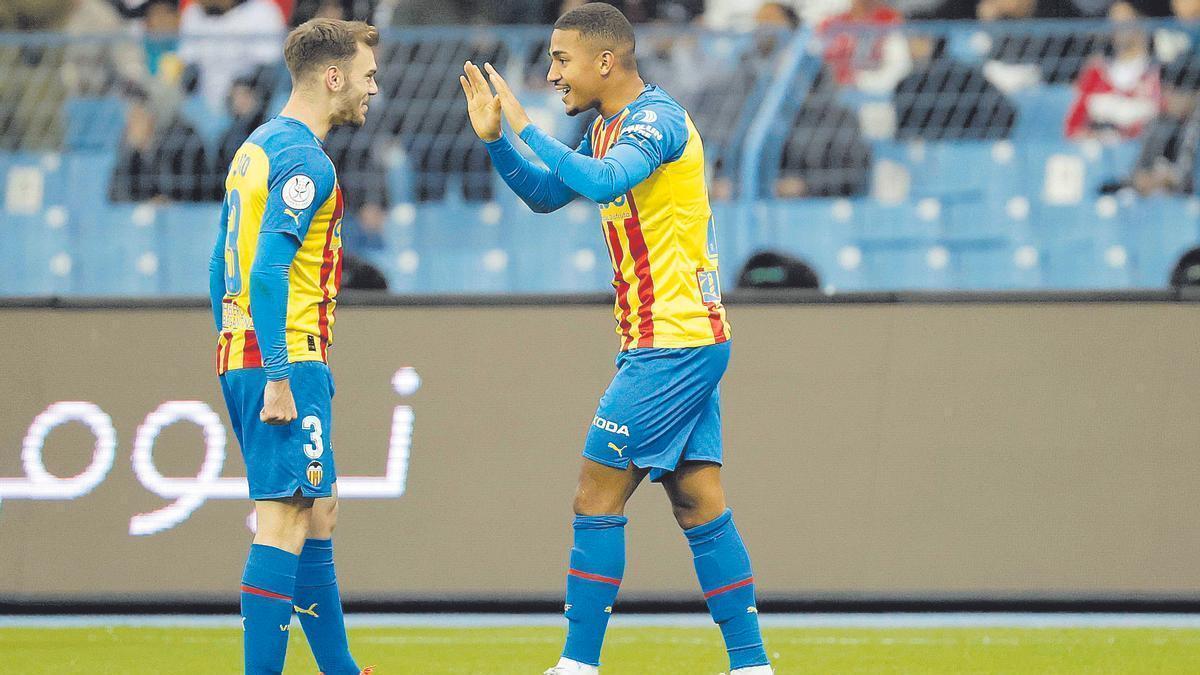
(752, 610)
(649, 116)
(609, 426)
(643, 130)
(314, 473)
(620, 451)
(299, 192)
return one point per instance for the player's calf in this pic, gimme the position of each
(269, 582)
(723, 569)
(318, 603)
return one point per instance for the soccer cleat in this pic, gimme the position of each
(366, 671)
(753, 670)
(568, 667)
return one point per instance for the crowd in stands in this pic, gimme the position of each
(199, 75)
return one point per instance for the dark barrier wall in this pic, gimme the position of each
(874, 449)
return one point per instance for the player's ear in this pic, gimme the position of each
(334, 78)
(606, 61)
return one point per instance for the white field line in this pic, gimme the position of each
(883, 621)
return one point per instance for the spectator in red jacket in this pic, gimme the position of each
(880, 61)
(1116, 97)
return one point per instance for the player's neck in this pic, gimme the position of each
(315, 119)
(622, 95)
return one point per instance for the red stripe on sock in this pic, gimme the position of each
(266, 594)
(725, 589)
(593, 577)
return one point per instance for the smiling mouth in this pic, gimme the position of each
(565, 91)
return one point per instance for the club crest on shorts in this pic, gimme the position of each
(314, 473)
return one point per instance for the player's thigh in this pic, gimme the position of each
(283, 523)
(696, 493)
(603, 490)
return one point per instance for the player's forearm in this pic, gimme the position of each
(216, 282)
(536, 186)
(269, 299)
(600, 180)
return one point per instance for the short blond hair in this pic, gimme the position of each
(321, 42)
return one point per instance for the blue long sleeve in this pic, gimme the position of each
(536, 186)
(216, 271)
(269, 299)
(600, 180)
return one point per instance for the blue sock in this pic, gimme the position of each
(723, 568)
(319, 608)
(267, 586)
(597, 565)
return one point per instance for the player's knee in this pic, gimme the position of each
(596, 503)
(691, 513)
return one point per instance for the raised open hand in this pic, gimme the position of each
(482, 106)
(513, 112)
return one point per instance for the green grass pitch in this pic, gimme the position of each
(628, 650)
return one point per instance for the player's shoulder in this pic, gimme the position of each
(655, 104)
(287, 142)
(657, 119)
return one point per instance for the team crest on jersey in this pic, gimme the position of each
(710, 286)
(299, 192)
(315, 473)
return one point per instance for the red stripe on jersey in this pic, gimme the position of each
(228, 349)
(251, 354)
(595, 136)
(610, 134)
(266, 594)
(622, 286)
(725, 589)
(718, 324)
(327, 266)
(593, 577)
(641, 269)
(218, 363)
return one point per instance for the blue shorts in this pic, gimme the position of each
(662, 408)
(286, 459)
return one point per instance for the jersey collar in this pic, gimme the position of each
(295, 122)
(645, 90)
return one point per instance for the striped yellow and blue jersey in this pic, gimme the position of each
(660, 234)
(281, 180)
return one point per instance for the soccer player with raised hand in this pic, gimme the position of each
(643, 163)
(273, 278)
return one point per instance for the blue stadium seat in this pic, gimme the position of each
(94, 123)
(185, 237)
(47, 263)
(1042, 112)
(809, 229)
(116, 252)
(1157, 232)
(997, 265)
